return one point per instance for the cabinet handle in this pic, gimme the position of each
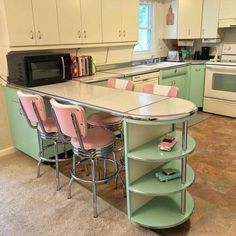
(31, 34)
(79, 34)
(39, 35)
(175, 70)
(21, 112)
(85, 34)
(197, 69)
(120, 34)
(203, 31)
(124, 33)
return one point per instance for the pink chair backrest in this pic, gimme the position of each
(63, 114)
(120, 84)
(27, 100)
(170, 91)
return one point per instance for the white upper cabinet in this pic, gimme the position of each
(79, 21)
(227, 13)
(120, 20)
(45, 21)
(31, 22)
(227, 9)
(210, 19)
(189, 19)
(19, 19)
(182, 19)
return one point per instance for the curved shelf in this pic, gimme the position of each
(163, 212)
(151, 186)
(150, 152)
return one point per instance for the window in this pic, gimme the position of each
(145, 27)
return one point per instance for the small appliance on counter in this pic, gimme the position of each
(205, 53)
(35, 69)
(173, 56)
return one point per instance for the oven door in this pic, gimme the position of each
(220, 82)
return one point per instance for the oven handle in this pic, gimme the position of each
(213, 67)
(63, 68)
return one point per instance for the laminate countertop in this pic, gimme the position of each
(135, 105)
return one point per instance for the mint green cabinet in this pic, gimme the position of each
(25, 138)
(196, 87)
(176, 77)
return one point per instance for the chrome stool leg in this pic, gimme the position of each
(41, 153)
(93, 163)
(57, 166)
(69, 188)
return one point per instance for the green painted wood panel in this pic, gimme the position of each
(150, 151)
(151, 186)
(196, 87)
(176, 77)
(24, 138)
(163, 212)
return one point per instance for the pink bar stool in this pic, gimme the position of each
(107, 120)
(90, 144)
(164, 90)
(33, 108)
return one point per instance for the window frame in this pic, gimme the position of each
(148, 53)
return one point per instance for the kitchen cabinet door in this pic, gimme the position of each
(196, 89)
(19, 17)
(24, 138)
(176, 77)
(189, 19)
(178, 81)
(227, 9)
(91, 21)
(79, 21)
(210, 18)
(45, 21)
(130, 20)
(111, 20)
(120, 20)
(69, 21)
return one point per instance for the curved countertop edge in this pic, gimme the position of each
(128, 114)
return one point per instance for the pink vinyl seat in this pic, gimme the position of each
(164, 90)
(34, 110)
(111, 122)
(105, 119)
(90, 144)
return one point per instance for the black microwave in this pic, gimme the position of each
(38, 69)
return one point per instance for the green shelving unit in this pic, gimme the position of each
(150, 202)
(163, 212)
(150, 185)
(150, 151)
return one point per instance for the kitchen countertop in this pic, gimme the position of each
(98, 76)
(135, 70)
(143, 69)
(139, 106)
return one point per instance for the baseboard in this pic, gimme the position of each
(7, 151)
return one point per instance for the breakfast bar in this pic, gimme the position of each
(147, 118)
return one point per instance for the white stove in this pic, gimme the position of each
(220, 83)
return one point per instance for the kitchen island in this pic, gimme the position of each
(147, 118)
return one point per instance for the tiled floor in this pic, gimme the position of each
(214, 189)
